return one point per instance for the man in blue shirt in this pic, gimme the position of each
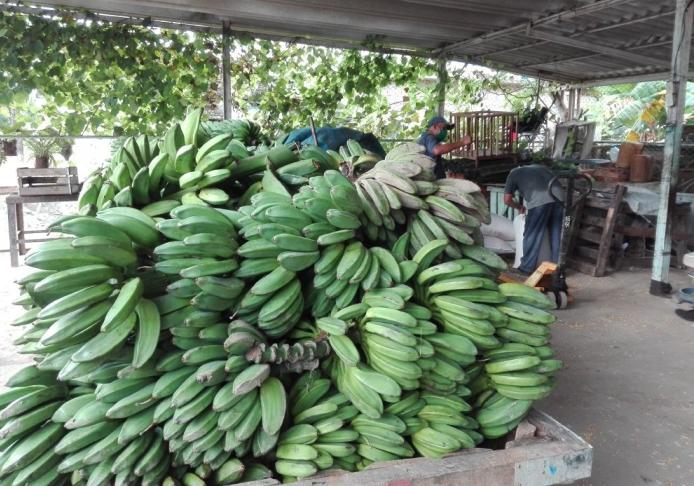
(432, 140)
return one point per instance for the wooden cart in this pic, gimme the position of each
(541, 452)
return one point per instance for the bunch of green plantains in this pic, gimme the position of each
(218, 312)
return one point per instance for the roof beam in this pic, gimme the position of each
(628, 21)
(588, 56)
(598, 48)
(579, 32)
(520, 28)
(633, 78)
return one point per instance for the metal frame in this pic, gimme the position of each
(563, 15)
(596, 48)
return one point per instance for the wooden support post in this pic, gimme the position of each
(226, 69)
(676, 93)
(441, 87)
(12, 226)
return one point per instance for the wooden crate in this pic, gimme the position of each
(493, 135)
(39, 182)
(595, 248)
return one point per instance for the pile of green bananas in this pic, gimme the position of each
(357, 159)
(215, 314)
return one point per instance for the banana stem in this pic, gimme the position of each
(278, 156)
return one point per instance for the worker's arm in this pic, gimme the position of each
(444, 148)
(510, 189)
(510, 202)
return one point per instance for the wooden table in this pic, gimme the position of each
(15, 219)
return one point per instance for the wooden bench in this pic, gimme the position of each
(15, 219)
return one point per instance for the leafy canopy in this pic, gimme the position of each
(88, 76)
(96, 77)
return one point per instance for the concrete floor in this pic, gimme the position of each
(627, 386)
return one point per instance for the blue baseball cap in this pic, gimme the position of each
(439, 119)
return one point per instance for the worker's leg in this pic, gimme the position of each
(535, 227)
(556, 219)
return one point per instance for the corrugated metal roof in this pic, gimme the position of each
(505, 34)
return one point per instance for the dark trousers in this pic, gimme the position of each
(546, 217)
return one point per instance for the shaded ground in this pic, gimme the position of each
(627, 388)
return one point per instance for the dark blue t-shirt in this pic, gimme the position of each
(429, 141)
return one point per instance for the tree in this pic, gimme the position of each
(283, 85)
(637, 112)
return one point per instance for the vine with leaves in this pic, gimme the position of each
(97, 77)
(282, 85)
(74, 76)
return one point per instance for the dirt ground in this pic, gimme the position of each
(627, 386)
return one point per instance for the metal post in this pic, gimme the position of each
(676, 93)
(441, 87)
(226, 68)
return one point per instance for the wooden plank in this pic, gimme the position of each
(594, 202)
(581, 266)
(48, 190)
(12, 226)
(545, 268)
(20, 228)
(589, 235)
(608, 231)
(591, 220)
(586, 252)
(57, 171)
(42, 198)
(47, 181)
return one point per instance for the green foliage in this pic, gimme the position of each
(99, 77)
(636, 111)
(76, 76)
(467, 87)
(283, 85)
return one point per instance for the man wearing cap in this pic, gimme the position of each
(432, 140)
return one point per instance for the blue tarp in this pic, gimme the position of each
(331, 138)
